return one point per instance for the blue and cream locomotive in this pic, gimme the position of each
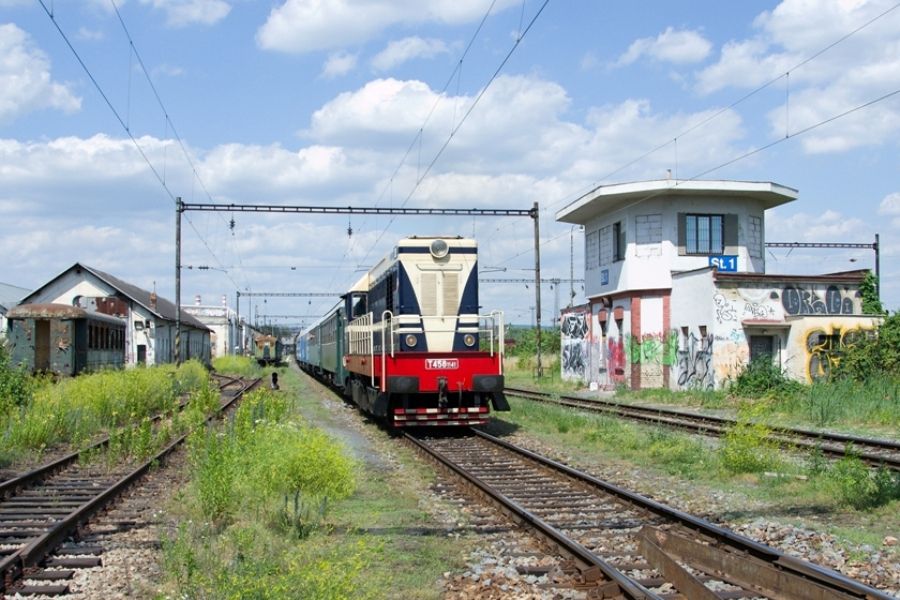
(407, 344)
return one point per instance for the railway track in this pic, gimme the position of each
(622, 544)
(875, 452)
(41, 509)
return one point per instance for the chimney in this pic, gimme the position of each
(153, 300)
(224, 300)
(197, 300)
(668, 174)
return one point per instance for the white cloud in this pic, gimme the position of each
(89, 35)
(300, 26)
(890, 206)
(180, 13)
(852, 73)
(338, 64)
(25, 82)
(672, 46)
(398, 52)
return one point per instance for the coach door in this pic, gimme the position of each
(41, 345)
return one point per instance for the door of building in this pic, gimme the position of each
(762, 345)
(42, 345)
(142, 354)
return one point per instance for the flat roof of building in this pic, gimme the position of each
(608, 198)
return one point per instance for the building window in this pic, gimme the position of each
(619, 244)
(755, 238)
(592, 249)
(704, 234)
(606, 245)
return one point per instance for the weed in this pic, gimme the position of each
(858, 487)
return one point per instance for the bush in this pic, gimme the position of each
(15, 384)
(763, 378)
(257, 460)
(857, 486)
(879, 355)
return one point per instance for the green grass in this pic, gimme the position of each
(241, 536)
(744, 461)
(239, 366)
(76, 409)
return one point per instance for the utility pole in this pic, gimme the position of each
(179, 208)
(539, 371)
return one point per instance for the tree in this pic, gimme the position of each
(868, 289)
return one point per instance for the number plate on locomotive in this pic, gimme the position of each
(441, 363)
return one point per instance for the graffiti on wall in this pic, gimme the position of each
(799, 300)
(615, 359)
(724, 309)
(653, 349)
(574, 329)
(694, 363)
(825, 348)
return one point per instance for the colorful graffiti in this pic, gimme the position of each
(825, 348)
(656, 349)
(798, 300)
(694, 363)
(574, 329)
(615, 359)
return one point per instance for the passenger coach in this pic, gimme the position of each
(66, 340)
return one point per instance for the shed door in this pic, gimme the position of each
(762, 345)
(42, 345)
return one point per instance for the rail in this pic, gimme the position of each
(572, 511)
(873, 451)
(33, 551)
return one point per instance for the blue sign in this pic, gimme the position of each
(604, 277)
(725, 263)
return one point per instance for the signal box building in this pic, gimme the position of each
(150, 320)
(678, 294)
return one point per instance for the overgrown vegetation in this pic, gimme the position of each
(877, 356)
(15, 385)
(241, 366)
(762, 377)
(260, 487)
(868, 289)
(744, 456)
(75, 410)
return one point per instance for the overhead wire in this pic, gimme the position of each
(160, 177)
(588, 189)
(417, 139)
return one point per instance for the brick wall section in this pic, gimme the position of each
(635, 335)
(667, 328)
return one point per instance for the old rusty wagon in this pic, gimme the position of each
(66, 340)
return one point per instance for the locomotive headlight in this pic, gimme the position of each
(469, 339)
(411, 340)
(439, 248)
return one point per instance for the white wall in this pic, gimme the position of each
(649, 265)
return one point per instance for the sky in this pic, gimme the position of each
(111, 109)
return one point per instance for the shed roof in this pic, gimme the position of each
(608, 198)
(164, 309)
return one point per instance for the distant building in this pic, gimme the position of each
(678, 296)
(150, 319)
(9, 297)
(222, 322)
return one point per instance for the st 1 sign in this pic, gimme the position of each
(725, 263)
